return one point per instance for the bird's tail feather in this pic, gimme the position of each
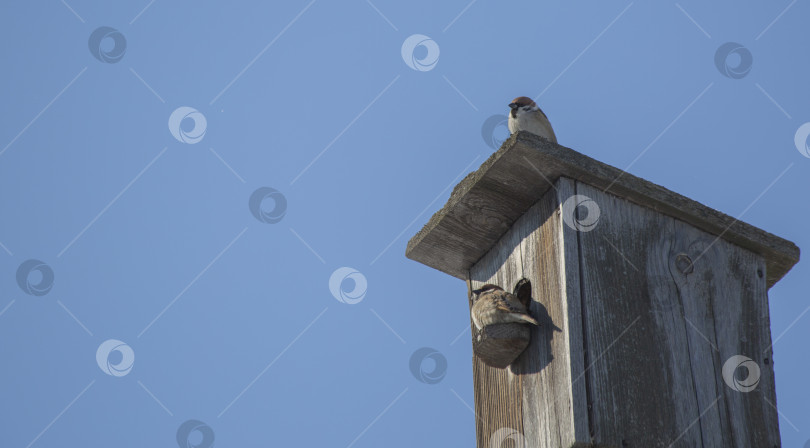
(525, 318)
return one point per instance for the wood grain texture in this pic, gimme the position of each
(497, 391)
(552, 412)
(637, 318)
(485, 205)
(638, 313)
(666, 305)
(555, 406)
(634, 374)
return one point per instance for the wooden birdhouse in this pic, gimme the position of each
(653, 308)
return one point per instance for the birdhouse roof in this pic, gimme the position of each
(488, 201)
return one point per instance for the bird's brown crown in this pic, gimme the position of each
(488, 287)
(523, 101)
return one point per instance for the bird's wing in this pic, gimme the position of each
(507, 302)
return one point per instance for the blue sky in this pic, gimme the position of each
(229, 318)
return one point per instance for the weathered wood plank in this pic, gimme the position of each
(487, 202)
(540, 418)
(630, 370)
(680, 321)
(553, 413)
(739, 306)
(554, 405)
(691, 262)
(498, 392)
(665, 305)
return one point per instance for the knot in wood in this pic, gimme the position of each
(684, 264)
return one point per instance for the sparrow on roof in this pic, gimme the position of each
(526, 116)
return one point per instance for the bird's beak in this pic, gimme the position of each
(513, 106)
